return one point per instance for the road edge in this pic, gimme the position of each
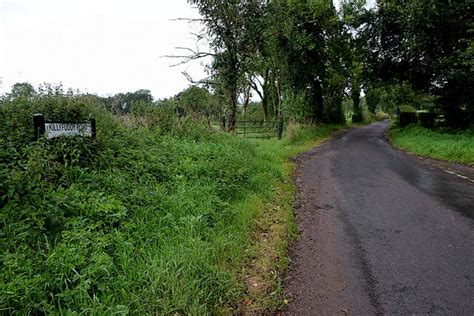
(459, 170)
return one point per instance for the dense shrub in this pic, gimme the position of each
(368, 117)
(357, 117)
(459, 118)
(333, 113)
(427, 119)
(381, 116)
(407, 118)
(296, 107)
(407, 108)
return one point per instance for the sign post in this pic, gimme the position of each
(93, 128)
(38, 120)
(62, 129)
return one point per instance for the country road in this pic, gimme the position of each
(381, 232)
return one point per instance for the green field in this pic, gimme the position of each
(451, 146)
(144, 220)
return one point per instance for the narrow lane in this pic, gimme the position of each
(382, 232)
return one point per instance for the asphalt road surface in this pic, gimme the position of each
(382, 232)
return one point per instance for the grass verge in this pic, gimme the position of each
(266, 254)
(454, 147)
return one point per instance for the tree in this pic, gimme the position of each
(200, 101)
(22, 90)
(296, 50)
(311, 45)
(227, 24)
(354, 18)
(428, 44)
(142, 95)
(372, 96)
(122, 103)
(261, 65)
(194, 99)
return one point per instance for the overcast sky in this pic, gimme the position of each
(97, 46)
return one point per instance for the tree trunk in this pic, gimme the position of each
(233, 106)
(278, 99)
(222, 123)
(355, 94)
(318, 101)
(265, 108)
(264, 93)
(246, 100)
(231, 83)
(356, 99)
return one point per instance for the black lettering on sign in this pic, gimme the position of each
(54, 130)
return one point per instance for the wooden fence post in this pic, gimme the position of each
(222, 123)
(279, 130)
(93, 128)
(38, 121)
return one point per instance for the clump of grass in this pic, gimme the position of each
(298, 134)
(275, 226)
(451, 146)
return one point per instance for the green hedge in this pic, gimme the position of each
(427, 119)
(407, 118)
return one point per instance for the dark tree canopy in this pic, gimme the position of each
(429, 45)
(302, 58)
(22, 89)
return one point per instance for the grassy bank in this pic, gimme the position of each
(454, 147)
(275, 226)
(165, 218)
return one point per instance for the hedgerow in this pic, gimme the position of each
(142, 219)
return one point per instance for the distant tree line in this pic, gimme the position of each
(193, 100)
(121, 103)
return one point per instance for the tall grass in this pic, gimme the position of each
(141, 220)
(300, 135)
(451, 146)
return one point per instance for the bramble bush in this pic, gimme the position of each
(147, 218)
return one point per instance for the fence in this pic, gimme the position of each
(259, 129)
